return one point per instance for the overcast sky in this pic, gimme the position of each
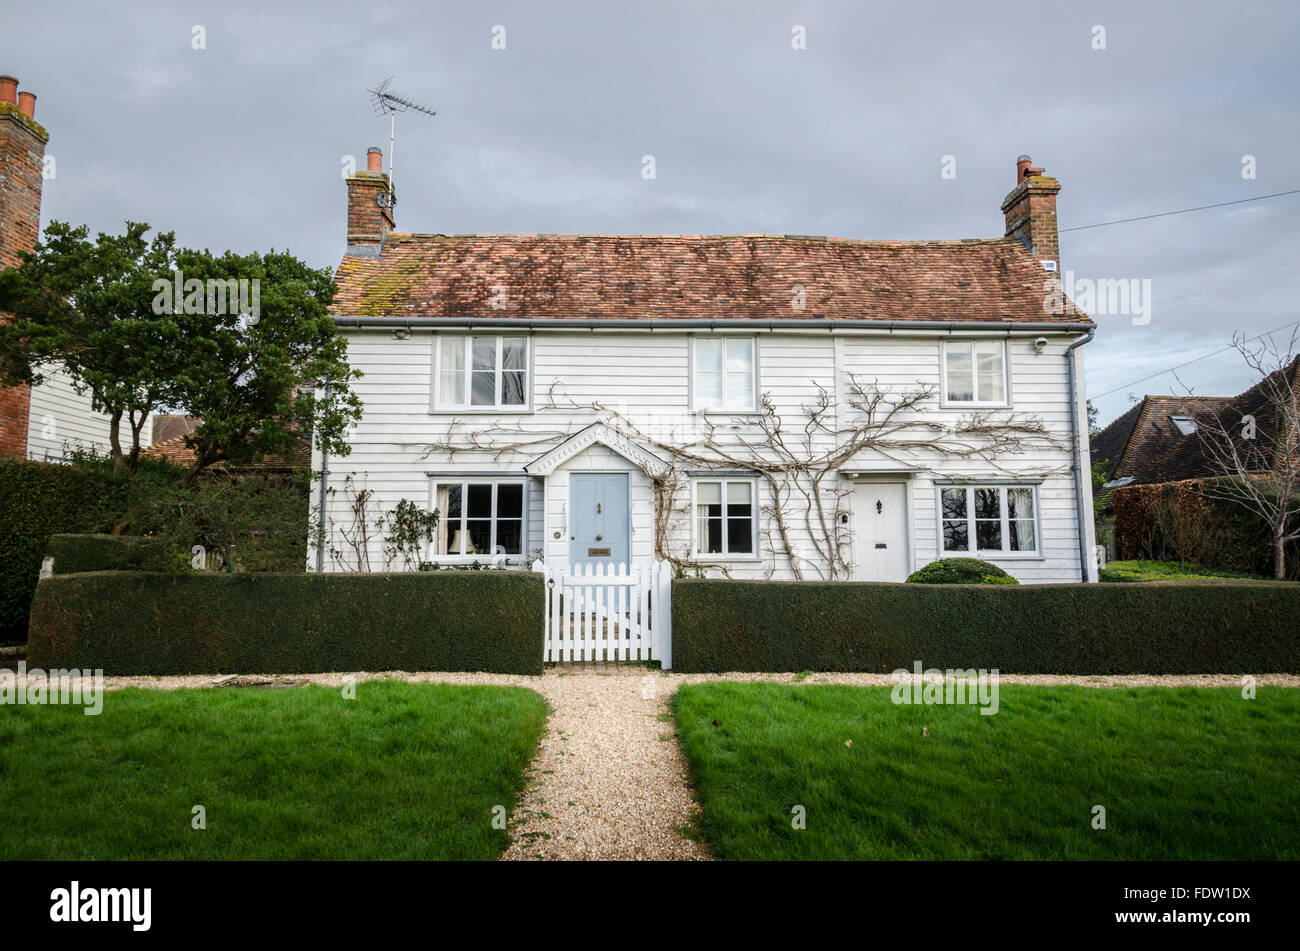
(239, 145)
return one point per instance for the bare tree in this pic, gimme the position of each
(1254, 443)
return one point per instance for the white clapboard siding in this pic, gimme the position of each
(600, 613)
(644, 377)
(60, 419)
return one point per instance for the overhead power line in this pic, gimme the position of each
(1181, 211)
(1207, 356)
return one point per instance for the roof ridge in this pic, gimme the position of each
(523, 235)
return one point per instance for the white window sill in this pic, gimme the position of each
(996, 556)
(481, 411)
(706, 559)
(470, 559)
(969, 404)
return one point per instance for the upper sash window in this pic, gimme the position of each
(482, 372)
(724, 374)
(975, 371)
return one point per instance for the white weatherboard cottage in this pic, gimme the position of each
(762, 407)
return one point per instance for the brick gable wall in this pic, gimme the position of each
(22, 155)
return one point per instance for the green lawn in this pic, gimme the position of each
(404, 771)
(1182, 773)
(1164, 571)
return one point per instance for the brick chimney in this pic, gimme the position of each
(22, 156)
(1030, 210)
(370, 207)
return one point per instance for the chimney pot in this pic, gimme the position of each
(374, 159)
(8, 89)
(27, 104)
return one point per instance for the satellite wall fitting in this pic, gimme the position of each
(387, 102)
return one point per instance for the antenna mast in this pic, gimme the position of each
(387, 102)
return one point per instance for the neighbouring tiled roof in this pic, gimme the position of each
(1108, 445)
(1144, 443)
(168, 425)
(177, 453)
(171, 450)
(1157, 451)
(688, 276)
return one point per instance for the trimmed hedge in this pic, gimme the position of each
(78, 554)
(259, 524)
(1183, 627)
(38, 499)
(1186, 521)
(147, 623)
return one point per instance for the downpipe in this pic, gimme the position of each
(1076, 451)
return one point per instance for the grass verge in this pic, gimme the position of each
(1165, 571)
(1183, 774)
(404, 771)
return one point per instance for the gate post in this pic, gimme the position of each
(663, 619)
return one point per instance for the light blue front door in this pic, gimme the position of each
(599, 526)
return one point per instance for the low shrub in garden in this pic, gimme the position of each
(961, 571)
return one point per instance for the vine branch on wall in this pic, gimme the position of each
(798, 462)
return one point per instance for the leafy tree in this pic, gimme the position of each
(86, 307)
(244, 342)
(269, 373)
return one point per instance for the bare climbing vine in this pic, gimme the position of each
(800, 462)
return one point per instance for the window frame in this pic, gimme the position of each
(466, 340)
(943, 373)
(754, 511)
(463, 523)
(696, 405)
(990, 554)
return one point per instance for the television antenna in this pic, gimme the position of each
(387, 102)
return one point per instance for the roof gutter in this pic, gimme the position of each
(691, 323)
(1077, 452)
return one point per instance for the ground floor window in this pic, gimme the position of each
(725, 517)
(479, 518)
(989, 518)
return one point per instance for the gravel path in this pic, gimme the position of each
(609, 780)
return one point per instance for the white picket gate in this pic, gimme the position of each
(596, 612)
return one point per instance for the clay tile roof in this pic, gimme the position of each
(1144, 443)
(171, 450)
(714, 277)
